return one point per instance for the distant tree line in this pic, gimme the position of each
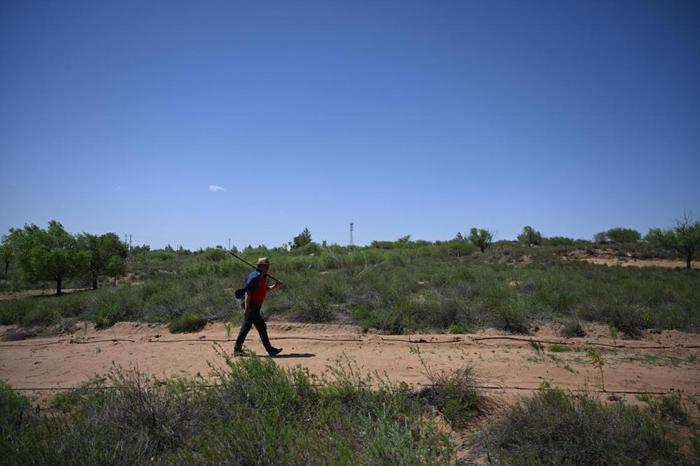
(53, 254)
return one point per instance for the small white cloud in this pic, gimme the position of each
(215, 188)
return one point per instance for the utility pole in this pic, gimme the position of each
(229, 244)
(352, 225)
(129, 241)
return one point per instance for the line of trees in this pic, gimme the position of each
(53, 254)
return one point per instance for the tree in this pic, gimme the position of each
(46, 255)
(302, 239)
(622, 235)
(6, 253)
(558, 241)
(116, 266)
(481, 238)
(684, 238)
(530, 236)
(600, 238)
(96, 253)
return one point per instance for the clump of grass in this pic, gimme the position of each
(458, 329)
(556, 348)
(316, 312)
(555, 427)
(455, 396)
(107, 316)
(187, 323)
(382, 319)
(669, 407)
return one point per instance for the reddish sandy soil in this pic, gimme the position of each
(512, 367)
(613, 259)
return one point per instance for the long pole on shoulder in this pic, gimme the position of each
(251, 265)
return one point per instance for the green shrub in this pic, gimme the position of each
(107, 316)
(555, 348)
(457, 329)
(555, 427)
(187, 323)
(317, 312)
(381, 319)
(669, 407)
(511, 319)
(454, 395)
(15, 411)
(629, 320)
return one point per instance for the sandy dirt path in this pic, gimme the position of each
(68, 360)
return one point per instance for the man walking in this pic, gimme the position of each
(255, 291)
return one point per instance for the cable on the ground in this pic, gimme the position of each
(574, 343)
(480, 387)
(362, 339)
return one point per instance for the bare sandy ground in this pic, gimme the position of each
(510, 367)
(613, 259)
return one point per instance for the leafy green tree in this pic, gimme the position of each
(96, 252)
(404, 240)
(623, 235)
(558, 241)
(6, 253)
(116, 266)
(46, 255)
(530, 236)
(601, 237)
(481, 238)
(684, 238)
(302, 239)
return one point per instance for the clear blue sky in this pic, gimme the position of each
(421, 118)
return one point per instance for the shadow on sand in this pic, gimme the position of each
(294, 355)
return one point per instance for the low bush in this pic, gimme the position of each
(455, 396)
(511, 319)
(15, 411)
(457, 329)
(106, 316)
(556, 348)
(382, 319)
(316, 312)
(669, 407)
(555, 427)
(187, 323)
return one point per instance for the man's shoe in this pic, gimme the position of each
(274, 352)
(238, 352)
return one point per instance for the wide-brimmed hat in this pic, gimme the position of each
(263, 260)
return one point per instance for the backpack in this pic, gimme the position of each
(239, 294)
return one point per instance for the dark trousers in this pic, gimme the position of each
(253, 318)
